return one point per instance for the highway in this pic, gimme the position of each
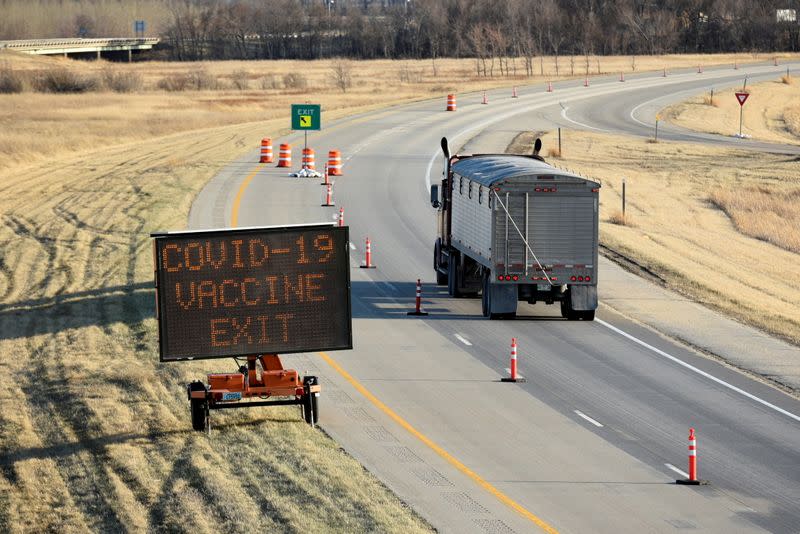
(596, 437)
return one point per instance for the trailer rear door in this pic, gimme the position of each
(562, 227)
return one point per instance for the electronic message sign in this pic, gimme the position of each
(238, 292)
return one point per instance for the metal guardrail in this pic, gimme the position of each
(115, 42)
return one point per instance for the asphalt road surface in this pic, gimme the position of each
(597, 436)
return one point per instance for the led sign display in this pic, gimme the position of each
(237, 292)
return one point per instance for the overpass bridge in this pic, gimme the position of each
(111, 48)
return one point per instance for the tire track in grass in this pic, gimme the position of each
(57, 410)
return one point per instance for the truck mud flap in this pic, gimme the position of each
(583, 298)
(502, 299)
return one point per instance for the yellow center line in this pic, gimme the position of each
(502, 497)
(240, 194)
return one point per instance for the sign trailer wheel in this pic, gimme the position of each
(310, 401)
(198, 406)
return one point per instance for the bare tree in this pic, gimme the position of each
(490, 31)
(342, 74)
(477, 38)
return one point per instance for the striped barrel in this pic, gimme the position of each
(308, 159)
(334, 163)
(285, 155)
(451, 102)
(266, 150)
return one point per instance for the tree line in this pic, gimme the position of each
(483, 29)
(488, 30)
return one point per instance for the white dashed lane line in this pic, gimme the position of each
(587, 418)
(463, 340)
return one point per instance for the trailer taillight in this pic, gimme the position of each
(515, 277)
(500, 277)
(595, 190)
(544, 189)
(580, 279)
(588, 278)
(573, 278)
(508, 277)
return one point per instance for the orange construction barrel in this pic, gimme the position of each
(451, 102)
(266, 150)
(285, 155)
(334, 163)
(308, 158)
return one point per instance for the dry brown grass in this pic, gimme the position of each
(622, 219)
(94, 431)
(42, 126)
(787, 79)
(771, 113)
(764, 212)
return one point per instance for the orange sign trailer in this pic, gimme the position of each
(251, 294)
(226, 390)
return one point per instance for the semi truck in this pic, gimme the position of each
(513, 228)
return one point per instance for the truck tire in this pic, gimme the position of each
(587, 315)
(485, 295)
(453, 278)
(566, 308)
(441, 278)
(310, 403)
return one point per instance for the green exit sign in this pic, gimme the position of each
(306, 117)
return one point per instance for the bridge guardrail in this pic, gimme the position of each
(39, 44)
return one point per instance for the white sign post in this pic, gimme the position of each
(742, 98)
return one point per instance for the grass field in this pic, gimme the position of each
(95, 433)
(771, 112)
(37, 127)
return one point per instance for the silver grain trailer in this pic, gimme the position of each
(511, 228)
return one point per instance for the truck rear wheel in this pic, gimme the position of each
(453, 278)
(441, 278)
(566, 308)
(485, 295)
